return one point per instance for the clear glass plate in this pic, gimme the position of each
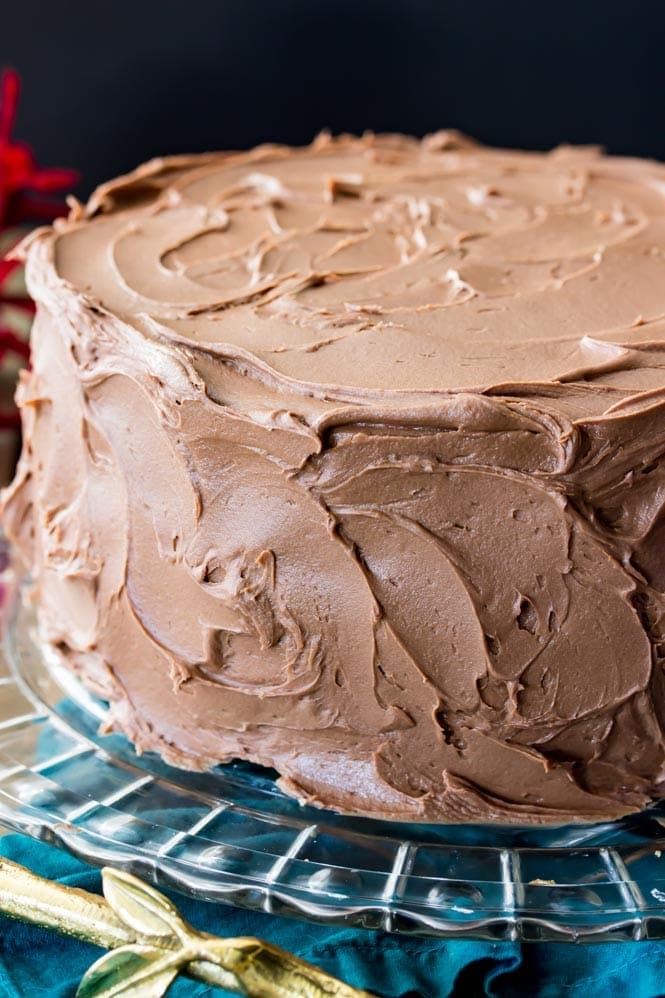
(231, 835)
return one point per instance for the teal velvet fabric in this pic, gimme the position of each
(35, 962)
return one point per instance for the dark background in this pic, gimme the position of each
(107, 85)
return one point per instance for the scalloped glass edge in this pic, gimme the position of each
(232, 836)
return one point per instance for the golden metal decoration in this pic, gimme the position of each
(151, 944)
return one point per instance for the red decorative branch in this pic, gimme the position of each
(29, 194)
(20, 176)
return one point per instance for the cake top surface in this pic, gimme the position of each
(387, 263)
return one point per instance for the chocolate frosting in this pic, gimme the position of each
(349, 460)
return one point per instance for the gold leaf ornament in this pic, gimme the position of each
(151, 944)
(139, 971)
(141, 907)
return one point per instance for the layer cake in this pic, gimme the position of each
(350, 461)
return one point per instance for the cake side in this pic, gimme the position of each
(414, 599)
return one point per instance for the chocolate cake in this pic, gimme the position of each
(350, 461)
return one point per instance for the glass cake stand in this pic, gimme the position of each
(231, 835)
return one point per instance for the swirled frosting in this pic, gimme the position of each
(349, 460)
